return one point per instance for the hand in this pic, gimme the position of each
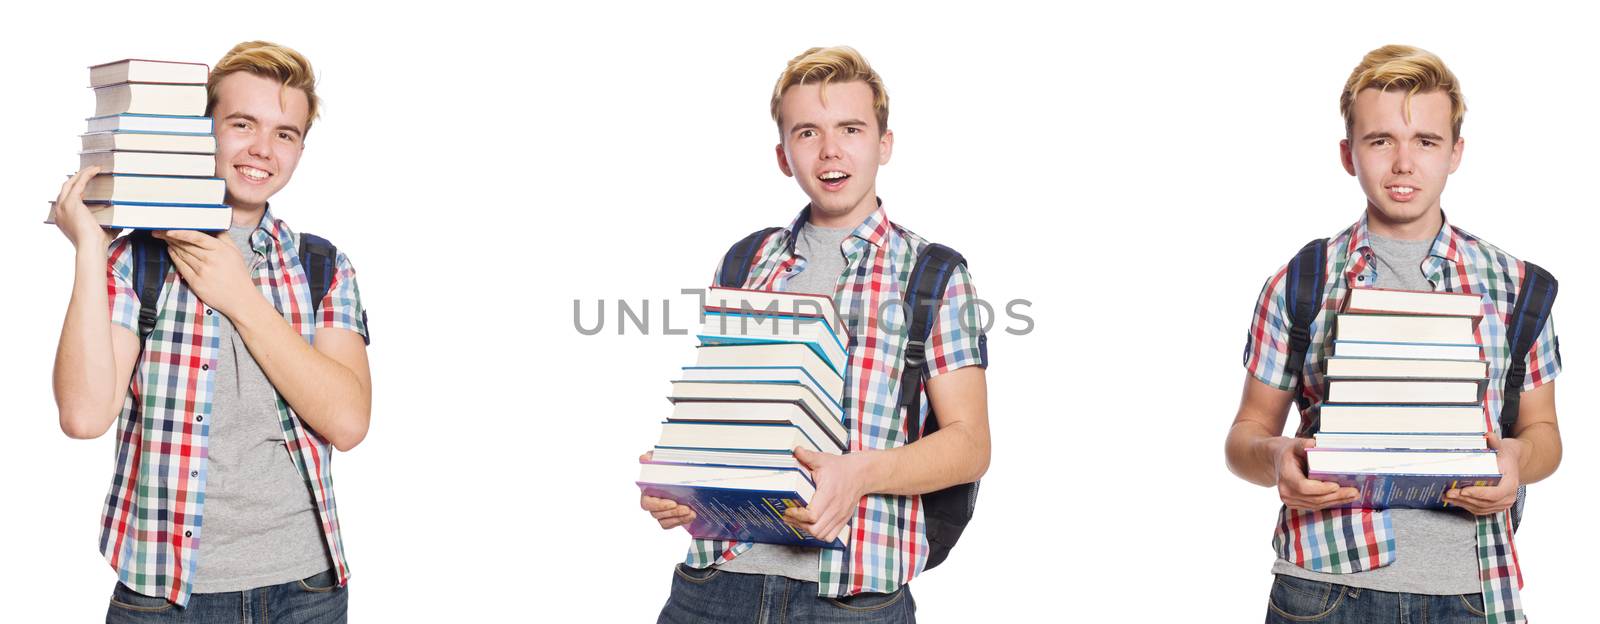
(74, 219)
(841, 482)
(1486, 500)
(212, 267)
(668, 513)
(1298, 492)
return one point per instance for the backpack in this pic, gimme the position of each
(947, 511)
(1307, 277)
(150, 263)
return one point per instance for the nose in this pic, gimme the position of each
(261, 145)
(1402, 164)
(830, 147)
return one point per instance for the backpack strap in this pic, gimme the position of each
(736, 264)
(1529, 312)
(320, 259)
(1307, 278)
(150, 264)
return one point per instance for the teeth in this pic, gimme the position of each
(833, 175)
(1403, 189)
(253, 173)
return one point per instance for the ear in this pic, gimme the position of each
(783, 161)
(1455, 154)
(885, 147)
(1347, 158)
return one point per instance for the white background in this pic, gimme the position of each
(1135, 173)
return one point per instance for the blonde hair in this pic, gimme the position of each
(1403, 67)
(268, 60)
(837, 64)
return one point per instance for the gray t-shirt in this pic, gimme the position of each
(1436, 551)
(824, 266)
(259, 526)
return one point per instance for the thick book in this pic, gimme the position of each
(763, 412)
(730, 328)
(1390, 392)
(769, 302)
(158, 217)
(740, 503)
(828, 415)
(1417, 441)
(1406, 479)
(185, 124)
(1390, 301)
(1406, 350)
(1403, 328)
(1458, 419)
(1396, 368)
(751, 437)
(150, 163)
(833, 393)
(134, 141)
(150, 99)
(776, 354)
(146, 70)
(123, 188)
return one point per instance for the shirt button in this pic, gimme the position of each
(188, 534)
(205, 367)
(194, 473)
(208, 311)
(1361, 278)
(199, 418)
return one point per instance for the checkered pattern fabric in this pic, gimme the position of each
(887, 545)
(1352, 540)
(152, 523)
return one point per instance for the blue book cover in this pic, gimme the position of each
(1406, 491)
(739, 514)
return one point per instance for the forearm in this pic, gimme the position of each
(84, 377)
(950, 456)
(324, 393)
(1250, 453)
(1541, 451)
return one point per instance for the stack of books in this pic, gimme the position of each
(154, 147)
(768, 378)
(1404, 420)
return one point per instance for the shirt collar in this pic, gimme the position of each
(268, 232)
(1446, 244)
(874, 229)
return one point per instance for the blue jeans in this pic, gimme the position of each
(314, 600)
(1300, 600)
(713, 596)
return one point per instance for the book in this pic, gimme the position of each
(1406, 350)
(158, 216)
(826, 415)
(186, 124)
(1461, 419)
(764, 412)
(1384, 391)
(126, 188)
(1401, 328)
(145, 70)
(743, 503)
(770, 374)
(1395, 368)
(1390, 301)
(750, 437)
(775, 354)
(150, 163)
(728, 328)
(136, 141)
(1419, 441)
(775, 303)
(1407, 479)
(150, 99)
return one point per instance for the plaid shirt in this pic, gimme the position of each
(151, 526)
(887, 545)
(1353, 540)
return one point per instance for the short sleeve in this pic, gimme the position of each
(1266, 347)
(120, 293)
(341, 307)
(1544, 359)
(957, 339)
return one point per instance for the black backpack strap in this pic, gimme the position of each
(1529, 312)
(320, 260)
(736, 264)
(150, 264)
(1306, 280)
(925, 290)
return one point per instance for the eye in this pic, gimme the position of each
(1380, 142)
(1428, 143)
(852, 130)
(806, 134)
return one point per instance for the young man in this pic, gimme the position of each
(1403, 110)
(227, 413)
(832, 114)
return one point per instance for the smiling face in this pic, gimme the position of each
(833, 149)
(260, 128)
(1402, 164)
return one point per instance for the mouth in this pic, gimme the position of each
(252, 174)
(1401, 192)
(833, 180)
